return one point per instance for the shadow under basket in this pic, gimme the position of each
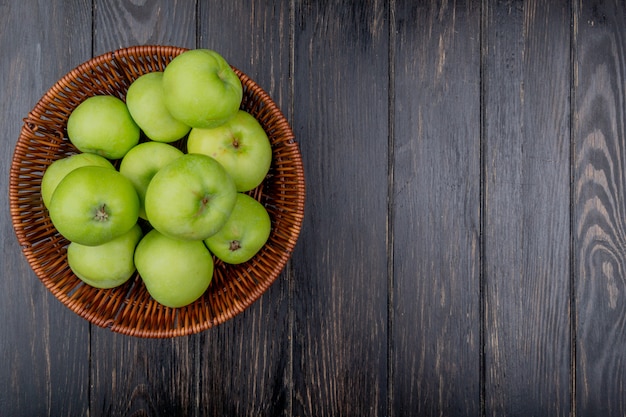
(129, 309)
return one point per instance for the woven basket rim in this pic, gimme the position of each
(127, 309)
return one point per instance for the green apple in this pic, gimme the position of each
(108, 265)
(143, 161)
(102, 125)
(146, 105)
(175, 272)
(201, 89)
(61, 167)
(240, 145)
(93, 205)
(244, 234)
(190, 198)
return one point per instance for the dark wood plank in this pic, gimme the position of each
(526, 215)
(436, 209)
(340, 268)
(120, 24)
(600, 207)
(149, 377)
(132, 376)
(43, 345)
(246, 363)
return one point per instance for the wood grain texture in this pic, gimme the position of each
(44, 348)
(600, 207)
(120, 24)
(132, 376)
(340, 265)
(245, 365)
(436, 210)
(147, 377)
(527, 199)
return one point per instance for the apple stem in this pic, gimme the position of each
(234, 245)
(203, 204)
(235, 142)
(101, 214)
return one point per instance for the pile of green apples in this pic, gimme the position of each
(130, 203)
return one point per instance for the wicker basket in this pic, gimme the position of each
(129, 309)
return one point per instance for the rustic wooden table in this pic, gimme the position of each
(464, 245)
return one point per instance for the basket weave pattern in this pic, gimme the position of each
(129, 309)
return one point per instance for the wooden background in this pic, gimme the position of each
(464, 245)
